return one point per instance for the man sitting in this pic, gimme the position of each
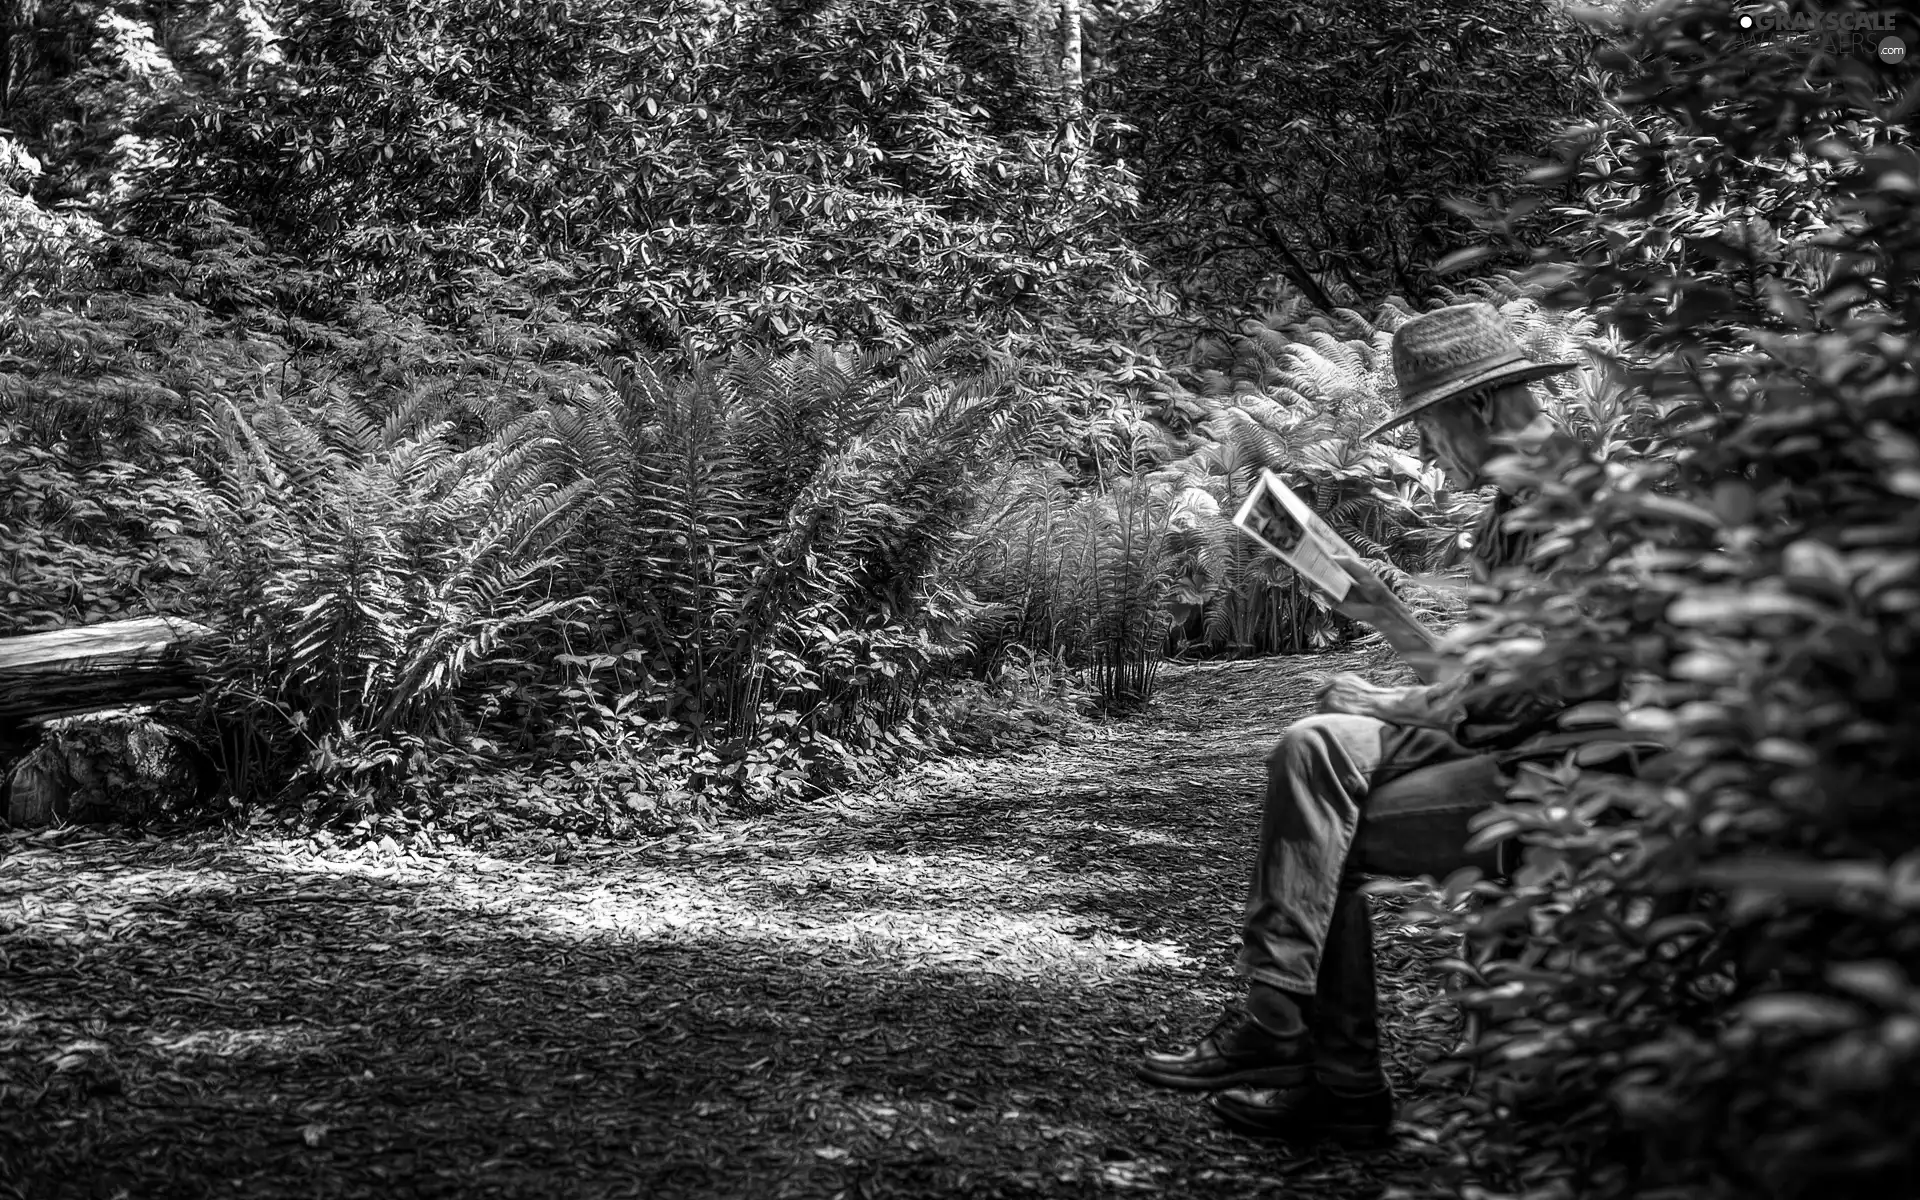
(1382, 781)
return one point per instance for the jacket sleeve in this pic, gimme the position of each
(1497, 714)
(1498, 708)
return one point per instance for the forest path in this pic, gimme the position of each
(937, 988)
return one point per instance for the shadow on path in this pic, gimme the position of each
(933, 991)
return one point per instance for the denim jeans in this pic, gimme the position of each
(1348, 797)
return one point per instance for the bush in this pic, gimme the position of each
(879, 172)
(1717, 992)
(96, 518)
(1025, 699)
(1320, 144)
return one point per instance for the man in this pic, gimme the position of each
(1383, 781)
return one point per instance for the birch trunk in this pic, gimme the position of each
(1071, 76)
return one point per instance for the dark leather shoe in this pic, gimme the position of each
(1309, 1113)
(1234, 1053)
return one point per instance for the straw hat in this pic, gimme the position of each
(1451, 351)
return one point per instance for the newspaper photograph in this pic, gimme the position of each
(1280, 521)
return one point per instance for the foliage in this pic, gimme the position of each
(84, 540)
(360, 503)
(96, 519)
(139, 373)
(1716, 995)
(1081, 575)
(1323, 144)
(1024, 699)
(360, 566)
(486, 267)
(770, 544)
(685, 173)
(482, 373)
(530, 193)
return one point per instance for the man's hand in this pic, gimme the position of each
(1349, 693)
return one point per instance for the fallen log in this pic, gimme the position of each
(90, 667)
(114, 665)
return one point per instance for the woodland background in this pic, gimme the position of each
(627, 414)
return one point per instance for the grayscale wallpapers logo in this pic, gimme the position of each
(1873, 36)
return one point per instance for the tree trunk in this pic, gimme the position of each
(92, 667)
(36, 795)
(14, 32)
(1071, 67)
(117, 767)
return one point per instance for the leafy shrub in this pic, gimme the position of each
(84, 540)
(356, 499)
(1715, 993)
(1320, 143)
(688, 174)
(94, 522)
(1025, 699)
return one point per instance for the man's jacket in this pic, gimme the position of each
(1484, 713)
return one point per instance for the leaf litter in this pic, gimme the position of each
(937, 986)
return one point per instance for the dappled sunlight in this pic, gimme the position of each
(904, 939)
(1130, 836)
(1001, 917)
(288, 1041)
(959, 911)
(935, 991)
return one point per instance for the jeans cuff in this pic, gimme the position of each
(1358, 1083)
(1277, 979)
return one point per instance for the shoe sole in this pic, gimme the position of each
(1265, 1077)
(1357, 1137)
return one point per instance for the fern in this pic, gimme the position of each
(365, 566)
(773, 530)
(1090, 575)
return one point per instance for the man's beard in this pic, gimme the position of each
(1461, 475)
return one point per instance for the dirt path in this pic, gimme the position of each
(933, 990)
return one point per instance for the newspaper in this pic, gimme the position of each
(1295, 534)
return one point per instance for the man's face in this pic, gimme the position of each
(1457, 435)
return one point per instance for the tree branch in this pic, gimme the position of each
(1269, 228)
